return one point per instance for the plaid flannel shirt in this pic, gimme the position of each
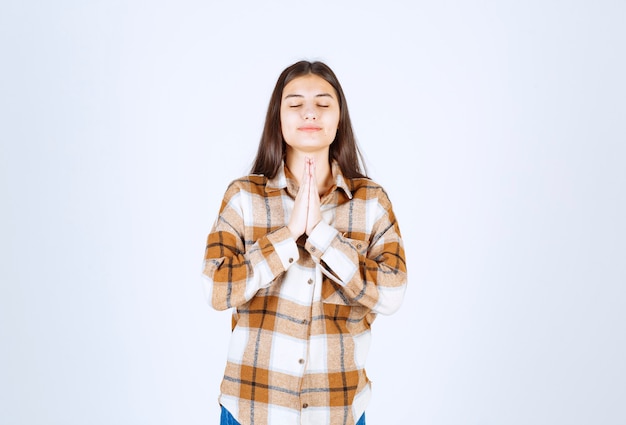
(302, 309)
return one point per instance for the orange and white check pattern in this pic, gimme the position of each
(302, 309)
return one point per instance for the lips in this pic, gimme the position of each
(309, 128)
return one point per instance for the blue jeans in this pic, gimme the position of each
(227, 419)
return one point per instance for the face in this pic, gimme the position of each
(309, 114)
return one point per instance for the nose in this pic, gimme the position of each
(309, 114)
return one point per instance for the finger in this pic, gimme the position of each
(299, 215)
(314, 213)
(314, 192)
(306, 178)
(305, 175)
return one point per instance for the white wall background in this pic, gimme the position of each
(497, 128)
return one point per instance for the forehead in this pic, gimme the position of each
(309, 85)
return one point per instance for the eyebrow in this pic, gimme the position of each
(317, 95)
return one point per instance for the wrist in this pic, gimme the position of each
(312, 227)
(294, 234)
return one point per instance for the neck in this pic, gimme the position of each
(323, 175)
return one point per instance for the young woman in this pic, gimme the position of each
(306, 250)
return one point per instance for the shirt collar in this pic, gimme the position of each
(285, 180)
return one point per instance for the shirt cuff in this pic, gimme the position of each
(320, 239)
(284, 246)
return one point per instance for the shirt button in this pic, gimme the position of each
(358, 246)
(304, 321)
(291, 260)
(301, 361)
(305, 405)
(310, 281)
(312, 249)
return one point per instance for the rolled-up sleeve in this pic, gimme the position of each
(370, 272)
(235, 272)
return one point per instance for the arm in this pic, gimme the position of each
(234, 271)
(374, 275)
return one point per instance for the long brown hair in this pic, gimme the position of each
(272, 150)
